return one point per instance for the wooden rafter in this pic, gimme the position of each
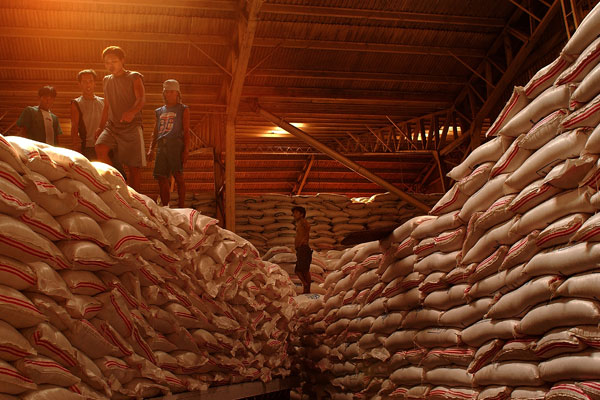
(316, 11)
(175, 38)
(240, 56)
(301, 181)
(341, 158)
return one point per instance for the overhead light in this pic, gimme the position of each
(280, 131)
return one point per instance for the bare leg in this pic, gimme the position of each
(180, 188)
(135, 178)
(102, 151)
(165, 190)
(307, 280)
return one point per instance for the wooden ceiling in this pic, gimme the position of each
(393, 85)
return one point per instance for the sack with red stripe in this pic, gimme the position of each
(13, 200)
(570, 174)
(130, 215)
(124, 238)
(546, 76)
(558, 341)
(35, 158)
(12, 381)
(9, 155)
(83, 282)
(539, 217)
(561, 231)
(587, 89)
(518, 349)
(582, 285)
(49, 282)
(116, 312)
(576, 366)
(518, 100)
(49, 341)
(517, 302)
(16, 274)
(567, 145)
(90, 373)
(87, 391)
(79, 226)
(18, 310)
(77, 167)
(13, 345)
(582, 66)
(440, 356)
(492, 191)
(88, 202)
(143, 388)
(56, 314)
(42, 370)
(552, 99)
(453, 200)
(42, 222)
(83, 335)
(566, 390)
(86, 255)
(18, 241)
(544, 130)
(83, 307)
(48, 196)
(587, 116)
(512, 158)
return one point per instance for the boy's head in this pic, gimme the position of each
(298, 212)
(87, 80)
(47, 94)
(171, 92)
(114, 59)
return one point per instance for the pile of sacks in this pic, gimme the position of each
(267, 221)
(104, 294)
(321, 265)
(493, 295)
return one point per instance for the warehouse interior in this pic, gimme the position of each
(445, 153)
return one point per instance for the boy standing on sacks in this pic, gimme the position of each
(120, 129)
(172, 135)
(303, 250)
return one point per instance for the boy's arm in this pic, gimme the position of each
(150, 154)
(186, 135)
(103, 119)
(75, 142)
(140, 100)
(24, 122)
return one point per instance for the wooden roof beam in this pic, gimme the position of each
(341, 158)
(317, 11)
(174, 38)
(208, 70)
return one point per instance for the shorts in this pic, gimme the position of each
(303, 258)
(168, 157)
(128, 146)
(89, 153)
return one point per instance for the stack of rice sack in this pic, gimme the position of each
(267, 221)
(506, 297)
(104, 294)
(285, 257)
(352, 337)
